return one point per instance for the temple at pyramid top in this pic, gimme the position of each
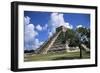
(61, 28)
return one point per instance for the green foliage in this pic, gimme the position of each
(78, 36)
(84, 35)
(70, 34)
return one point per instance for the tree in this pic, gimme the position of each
(84, 35)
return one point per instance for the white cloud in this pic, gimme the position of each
(41, 42)
(45, 27)
(37, 43)
(68, 26)
(38, 27)
(79, 26)
(61, 20)
(57, 20)
(50, 34)
(30, 40)
(29, 32)
(27, 20)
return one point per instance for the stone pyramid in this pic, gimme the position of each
(56, 43)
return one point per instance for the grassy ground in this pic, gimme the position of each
(56, 56)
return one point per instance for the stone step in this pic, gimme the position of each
(57, 49)
(57, 46)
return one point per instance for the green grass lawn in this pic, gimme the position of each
(56, 56)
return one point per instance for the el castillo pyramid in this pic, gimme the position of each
(56, 43)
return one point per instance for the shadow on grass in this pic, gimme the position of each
(66, 58)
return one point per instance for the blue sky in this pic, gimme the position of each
(42, 25)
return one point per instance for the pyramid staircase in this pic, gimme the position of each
(58, 46)
(47, 45)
